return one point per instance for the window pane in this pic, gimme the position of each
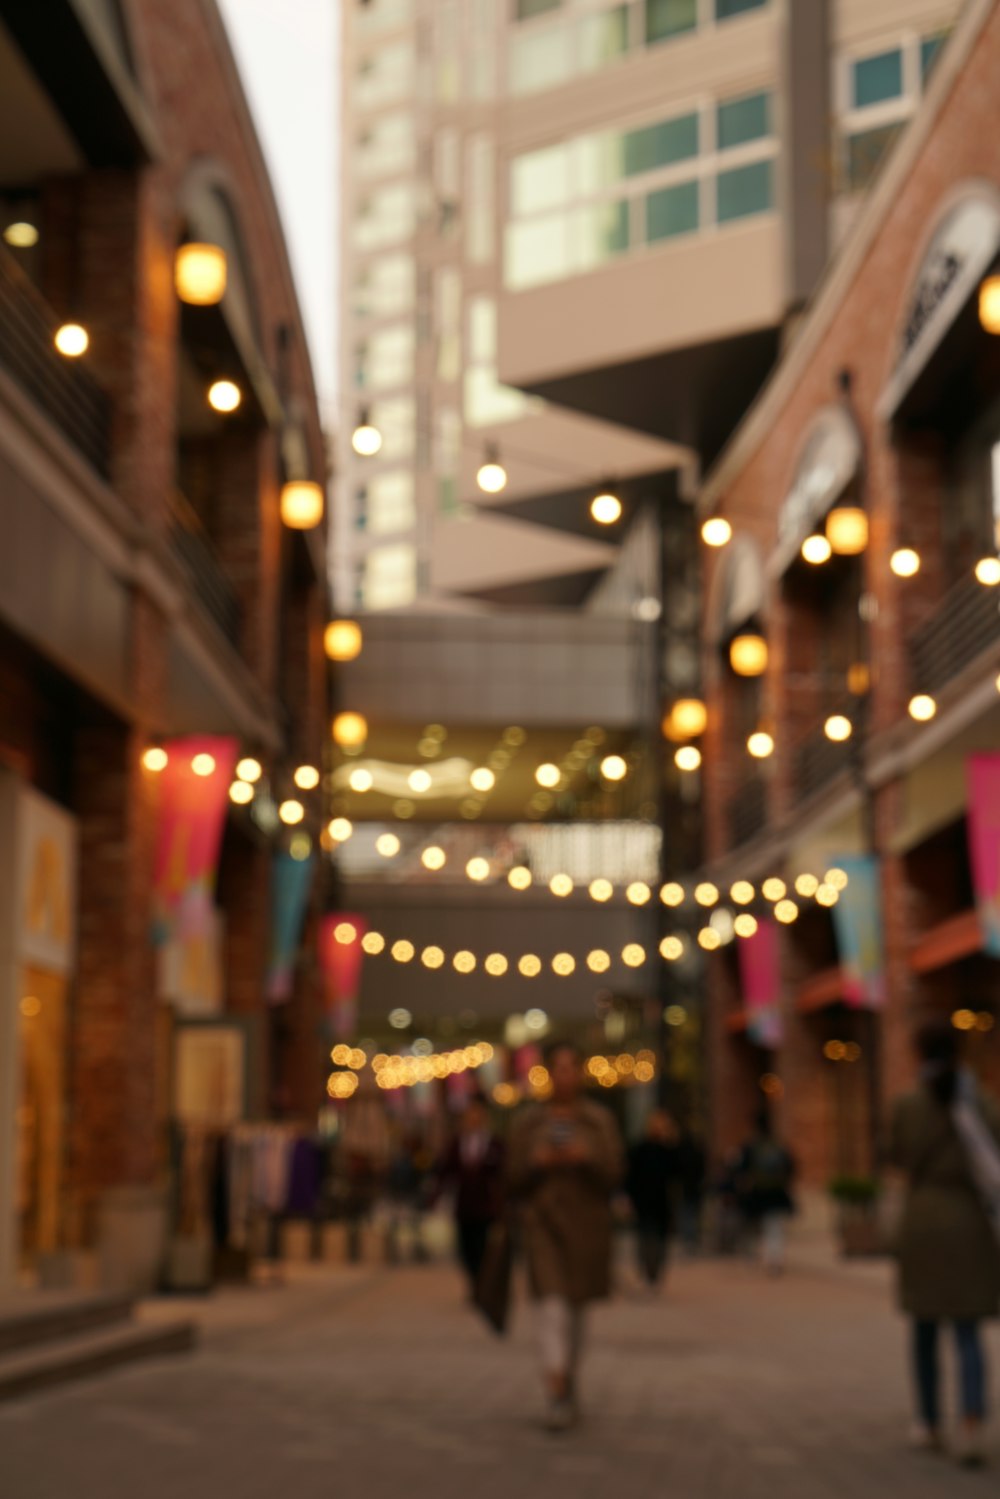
(672, 211)
(386, 147)
(396, 420)
(528, 8)
(865, 153)
(542, 180)
(390, 578)
(602, 233)
(538, 251)
(670, 18)
(387, 359)
(385, 217)
(745, 190)
(540, 60)
(660, 145)
(726, 8)
(930, 49)
(603, 38)
(379, 15)
(878, 78)
(385, 76)
(385, 287)
(488, 403)
(742, 120)
(390, 507)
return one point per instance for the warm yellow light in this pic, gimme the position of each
(420, 781)
(361, 780)
(687, 719)
(988, 571)
(761, 745)
(633, 955)
(816, 550)
(859, 678)
(464, 962)
(745, 925)
(548, 775)
(530, 966)
(786, 911)
(21, 236)
(671, 948)
(922, 707)
(826, 895)
(614, 768)
(302, 504)
(709, 939)
(200, 274)
(241, 792)
(373, 943)
(598, 961)
(964, 1020)
(156, 759)
(706, 894)
(403, 951)
(774, 890)
(432, 957)
(249, 769)
(496, 965)
(742, 893)
(482, 779)
(748, 655)
(601, 890)
(225, 396)
(606, 509)
(434, 857)
(644, 1072)
(688, 758)
(836, 879)
(72, 340)
(672, 894)
(388, 845)
(519, 878)
(350, 730)
(838, 728)
(307, 778)
(563, 964)
(291, 812)
(343, 640)
(345, 933)
(716, 532)
(905, 562)
(561, 885)
(492, 477)
(806, 885)
(340, 829)
(638, 893)
(366, 439)
(478, 869)
(989, 304)
(847, 530)
(203, 765)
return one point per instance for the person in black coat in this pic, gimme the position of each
(472, 1168)
(651, 1184)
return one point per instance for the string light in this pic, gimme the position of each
(638, 893)
(241, 792)
(350, 730)
(816, 550)
(156, 759)
(838, 728)
(496, 965)
(774, 890)
(434, 858)
(561, 885)
(922, 707)
(633, 955)
(340, 829)
(307, 778)
(709, 939)
(716, 532)
(806, 885)
(225, 396)
(761, 745)
(706, 894)
(343, 640)
(742, 893)
(548, 775)
(598, 961)
(388, 845)
(672, 894)
(606, 509)
(250, 770)
(492, 476)
(614, 768)
(786, 911)
(601, 890)
(72, 340)
(482, 779)
(671, 948)
(745, 925)
(563, 964)
(905, 562)
(688, 758)
(519, 878)
(988, 571)
(478, 869)
(366, 439)
(203, 765)
(361, 780)
(529, 966)
(420, 781)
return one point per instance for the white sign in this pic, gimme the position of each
(46, 884)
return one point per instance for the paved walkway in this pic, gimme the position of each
(363, 1385)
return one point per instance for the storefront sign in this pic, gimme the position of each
(47, 845)
(830, 459)
(192, 817)
(858, 927)
(191, 969)
(983, 774)
(760, 979)
(291, 881)
(210, 1070)
(341, 962)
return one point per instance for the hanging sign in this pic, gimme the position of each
(192, 817)
(760, 978)
(858, 926)
(983, 774)
(341, 957)
(291, 881)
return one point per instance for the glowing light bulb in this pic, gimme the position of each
(156, 759)
(905, 562)
(203, 765)
(225, 396)
(614, 768)
(433, 858)
(816, 550)
(72, 340)
(482, 779)
(307, 778)
(688, 758)
(606, 509)
(716, 532)
(922, 707)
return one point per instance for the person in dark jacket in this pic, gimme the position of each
(651, 1184)
(473, 1169)
(947, 1251)
(765, 1174)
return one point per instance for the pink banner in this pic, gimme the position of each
(760, 978)
(340, 957)
(194, 795)
(983, 774)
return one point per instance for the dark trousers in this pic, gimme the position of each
(472, 1236)
(971, 1367)
(651, 1248)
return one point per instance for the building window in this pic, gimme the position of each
(866, 152)
(667, 18)
(386, 147)
(726, 8)
(528, 8)
(381, 15)
(603, 233)
(745, 191)
(602, 38)
(385, 76)
(672, 211)
(878, 78)
(660, 145)
(386, 217)
(930, 51)
(740, 121)
(395, 418)
(389, 580)
(390, 503)
(540, 60)
(386, 360)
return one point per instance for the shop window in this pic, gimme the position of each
(660, 145)
(745, 191)
(726, 8)
(672, 211)
(740, 121)
(865, 153)
(930, 51)
(667, 18)
(878, 78)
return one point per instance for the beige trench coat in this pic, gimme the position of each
(565, 1211)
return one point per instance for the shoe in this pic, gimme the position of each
(926, 1439)
(560, 1416)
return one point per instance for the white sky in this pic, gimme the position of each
(287, 53)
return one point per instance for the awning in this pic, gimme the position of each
(831, 457)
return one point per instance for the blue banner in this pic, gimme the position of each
(857, 922)
(291, 881)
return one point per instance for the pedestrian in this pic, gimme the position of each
(765, 1175)
(472, 1168)
(651, 1184)
(691, 1170)
(945, 1137)
(566, 1162)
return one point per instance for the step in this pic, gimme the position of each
(35, 1317)
(30, 1370)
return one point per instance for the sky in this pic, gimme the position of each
(287, 54)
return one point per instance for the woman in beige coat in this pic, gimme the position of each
(566, 1160)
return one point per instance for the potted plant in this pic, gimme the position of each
(857, 1199)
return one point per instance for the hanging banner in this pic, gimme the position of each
(857, 925)
(983, 775)
(291, 881)
(340, 957)
(194, 795)
(760, 979)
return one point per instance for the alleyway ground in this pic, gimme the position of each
(361, 1385)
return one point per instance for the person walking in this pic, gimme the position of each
(945, 1139)
(651, 1184)
(566, 1161)
(473, 1169)
(765, 1176)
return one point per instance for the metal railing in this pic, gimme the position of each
(966, 624)
(68, 395)
(193, 546)
(747, 812)
(818, 760)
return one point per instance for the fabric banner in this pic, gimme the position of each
(291, 881)
(760, 979)
(340, 956)
(857, 924)
(983, 775)
(192, 818)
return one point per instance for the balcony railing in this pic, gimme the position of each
(68, 395)
(818, 761)
(193, 546)
(747, 812)
(966, 625)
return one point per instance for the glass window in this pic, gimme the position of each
(538, 251)
(379, 15)
(672, 211)
(726, 8)
(387, 358)
(385, 76)
(601, 233)
(487, 402)
(878, 78)
(482, 330)
(743, 120)
(540, 59)
(744, 191)
(386, 146)
(385, 216)
(385, 287)
(390, 577)
(666, 18)
(660, 145)
(542, 179)
(602, 38)
(528, 8)
(865, 152)
(390, 506)
(396, 420)
(930, 50)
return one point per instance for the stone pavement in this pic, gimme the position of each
(366, 1384)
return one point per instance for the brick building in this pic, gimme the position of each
(877, 432)
(148, 590)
